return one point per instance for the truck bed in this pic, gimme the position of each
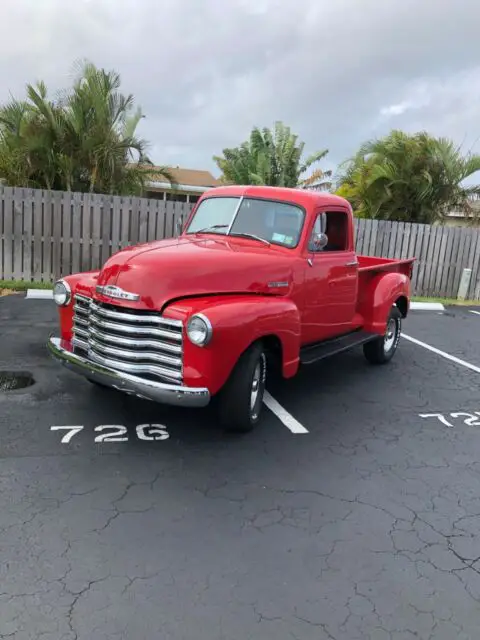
(370, 265)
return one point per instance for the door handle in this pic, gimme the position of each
(354, 263)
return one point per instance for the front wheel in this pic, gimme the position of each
(240, 401)
(382, 349)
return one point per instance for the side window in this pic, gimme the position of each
(337, 231)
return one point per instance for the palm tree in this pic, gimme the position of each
(85, 140)
(415, 178)
(272, 158)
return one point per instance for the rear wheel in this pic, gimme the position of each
(240, 401)
(382, 349)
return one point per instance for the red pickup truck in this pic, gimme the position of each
(259, 278)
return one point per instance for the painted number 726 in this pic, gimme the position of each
(116, 432)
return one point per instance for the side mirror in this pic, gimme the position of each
(318, 242)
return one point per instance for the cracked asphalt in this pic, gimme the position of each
(367, 527)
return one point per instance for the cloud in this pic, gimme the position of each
(206, 72)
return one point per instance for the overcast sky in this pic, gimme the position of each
(206, 71)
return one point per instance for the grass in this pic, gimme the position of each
(14, 286)
(448, 302)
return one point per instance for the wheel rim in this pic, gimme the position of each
(255, 390)
(258, 385)
(390, 335)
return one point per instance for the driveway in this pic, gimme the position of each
(123, 519)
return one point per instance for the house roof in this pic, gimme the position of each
(193, 177)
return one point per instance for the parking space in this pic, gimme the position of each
(125, 519)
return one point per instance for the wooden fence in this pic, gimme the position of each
(45, 234)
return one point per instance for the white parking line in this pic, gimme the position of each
(475, 312)
(445, 355)
(283, 415)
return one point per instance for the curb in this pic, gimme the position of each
(426, 306)
(39, 294)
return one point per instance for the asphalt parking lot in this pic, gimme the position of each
(123, 519)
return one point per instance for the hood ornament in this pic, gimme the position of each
(111, 291)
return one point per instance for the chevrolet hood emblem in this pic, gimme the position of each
(110, 291)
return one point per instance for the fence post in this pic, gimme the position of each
(464, 284)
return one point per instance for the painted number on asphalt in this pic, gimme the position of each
(470, 419)
(116, 432)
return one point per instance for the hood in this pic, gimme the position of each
(181, 267)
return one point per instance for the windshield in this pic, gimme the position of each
(265, 220)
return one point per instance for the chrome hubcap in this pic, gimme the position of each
(390, 335)
(255, 386)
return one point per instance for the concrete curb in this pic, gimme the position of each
(39, 294)
(427, 306)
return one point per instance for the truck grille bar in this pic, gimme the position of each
(137, 342)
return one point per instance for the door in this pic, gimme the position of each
(331, 279)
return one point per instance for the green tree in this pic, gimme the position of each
(84, 140)
(272, 158)
(413, 178)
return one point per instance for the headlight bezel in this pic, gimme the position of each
(67, 293)
(208, 329)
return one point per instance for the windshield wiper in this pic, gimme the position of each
(251, 235)
(213, 226)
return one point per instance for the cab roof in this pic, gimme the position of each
(302, 197)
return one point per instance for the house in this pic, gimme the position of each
(188, 185)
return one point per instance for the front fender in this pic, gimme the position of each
(83, 283)
(381, 294)
(237, 322)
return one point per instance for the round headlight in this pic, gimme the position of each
(199, 330)
(62, 293)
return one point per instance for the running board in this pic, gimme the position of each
(315, 352)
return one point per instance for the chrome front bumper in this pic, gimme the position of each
(172, 394)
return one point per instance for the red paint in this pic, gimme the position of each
(227, 278)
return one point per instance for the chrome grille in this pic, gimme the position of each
(128, 340)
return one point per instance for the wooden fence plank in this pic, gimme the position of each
(28, 235)
(38, 273)
(169, 218)
(143, 220)
(57, 239)
(66, 258)
(47, 236)
(77, 248)
(134, 220)
(18, 234)
(152, 219)
(125, 222)
(370, 250)
(116, 223)
(475, 266)
(437, 280)
(96, 232)
(446, 265)
(9, 199)
(435, 233)
(453, 264)
(418, 236)
(393, 243)
(105, 248)
(86, 256)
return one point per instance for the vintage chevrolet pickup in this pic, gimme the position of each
(259, 279)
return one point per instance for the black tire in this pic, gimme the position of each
(238, 409)
(382, 349)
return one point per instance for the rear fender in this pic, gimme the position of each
(237, 322)
(381, 294)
